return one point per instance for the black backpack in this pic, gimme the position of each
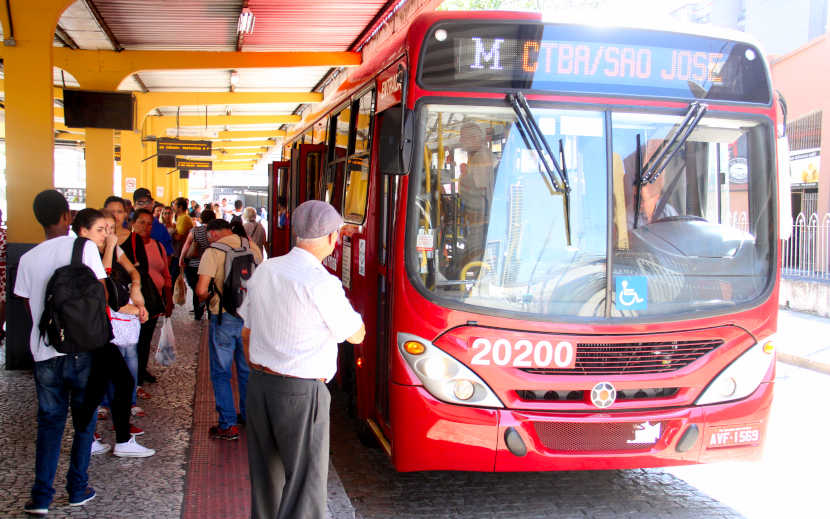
(75, 318)
(239, 267)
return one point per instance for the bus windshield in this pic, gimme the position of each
(491, 230)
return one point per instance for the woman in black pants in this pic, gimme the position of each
(150, 260)
(108, 365)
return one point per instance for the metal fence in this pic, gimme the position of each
(806, 254)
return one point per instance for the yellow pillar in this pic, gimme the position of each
(132, 152)
(27, 67)
(30, 145)
(100, 157)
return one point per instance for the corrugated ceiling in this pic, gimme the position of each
(211, 25)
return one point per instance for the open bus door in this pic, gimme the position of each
(302, 180)
(279, 233)
(307, 162)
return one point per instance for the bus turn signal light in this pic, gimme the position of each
(414, 347)
(769, 347)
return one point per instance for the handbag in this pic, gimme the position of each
(118, 287)
(125, 329)
(179, 290)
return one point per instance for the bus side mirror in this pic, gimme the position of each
(395, 152)
(785, 211)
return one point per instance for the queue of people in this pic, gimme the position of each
(286, 345)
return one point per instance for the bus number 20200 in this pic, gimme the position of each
(523, 353)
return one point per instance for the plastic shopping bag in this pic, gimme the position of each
(166, 351)
(179, 290)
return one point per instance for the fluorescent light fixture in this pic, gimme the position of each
(246, 21)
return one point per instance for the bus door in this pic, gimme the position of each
(387, 202)
(279, 235)
(307, 171)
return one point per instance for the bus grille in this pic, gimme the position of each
(573, 437)
(564, 395)
(632, 358)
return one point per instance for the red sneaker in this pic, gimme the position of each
(217, 433)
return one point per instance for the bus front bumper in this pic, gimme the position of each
(431, 435)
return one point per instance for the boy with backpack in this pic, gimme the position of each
(60, 378)
(224, 270)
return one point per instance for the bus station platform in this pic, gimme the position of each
(190, 476)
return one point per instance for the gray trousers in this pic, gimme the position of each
(288, 446)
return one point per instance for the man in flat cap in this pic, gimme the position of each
(295, 315)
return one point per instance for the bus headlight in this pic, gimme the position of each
(741, 378)
(445, 378)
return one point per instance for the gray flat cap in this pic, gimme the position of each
(315, 219)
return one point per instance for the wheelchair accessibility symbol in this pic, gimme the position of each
(632, 292)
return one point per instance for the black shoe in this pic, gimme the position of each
(149, 378)
(239, 419)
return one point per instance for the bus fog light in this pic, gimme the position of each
(464, 389)
(728, 386)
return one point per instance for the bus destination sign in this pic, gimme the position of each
(578, 59)
(551, 61)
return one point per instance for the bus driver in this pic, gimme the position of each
(476, 190)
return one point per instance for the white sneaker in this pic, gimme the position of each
(138, 411)
(99, 447)
(132, 449)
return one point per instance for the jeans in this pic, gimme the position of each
(130, 354)
(61, 382)
(191, 275)
(225, 349)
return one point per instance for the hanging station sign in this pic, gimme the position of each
(189, 164)
(183, 147)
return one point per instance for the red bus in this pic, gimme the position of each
(562, 239)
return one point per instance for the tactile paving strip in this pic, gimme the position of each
(218, 482)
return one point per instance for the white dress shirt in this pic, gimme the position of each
(297, 313)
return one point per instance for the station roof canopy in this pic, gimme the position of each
(318, 26)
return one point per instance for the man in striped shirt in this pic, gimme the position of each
(295, 315)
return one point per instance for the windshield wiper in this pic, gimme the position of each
(670, 148)
(667, 151)
(534, 139)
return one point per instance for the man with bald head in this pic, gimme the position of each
(295, 315)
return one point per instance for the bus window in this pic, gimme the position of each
(282, 196)
(338, 151)
(357, 183)
(492, 231)
(691, 234)
(318, 132)
(357, 177)
(313, 164)
(341, 131)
